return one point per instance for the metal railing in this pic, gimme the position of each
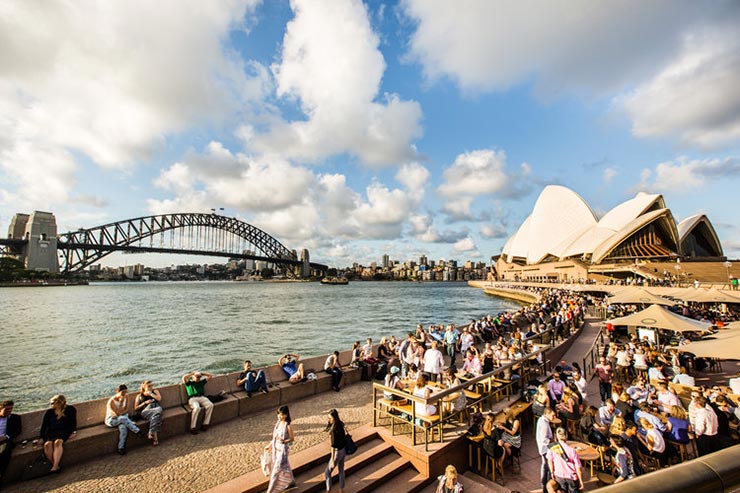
(525, 367)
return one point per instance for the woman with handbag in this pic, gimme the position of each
(338, 436)
(281, 477)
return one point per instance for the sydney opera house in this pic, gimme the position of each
(562, 239)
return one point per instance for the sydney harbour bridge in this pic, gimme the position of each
(34, 240)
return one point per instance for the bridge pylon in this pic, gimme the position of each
(40, 232)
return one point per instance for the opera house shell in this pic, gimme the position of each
(562, 226)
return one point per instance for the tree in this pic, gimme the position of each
(267, 273)
(12, 269)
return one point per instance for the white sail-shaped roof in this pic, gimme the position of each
(558, 213)
(563, 225)
(612, 222)
(688, 225)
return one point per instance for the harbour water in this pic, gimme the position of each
(83, 341)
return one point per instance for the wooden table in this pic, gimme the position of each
(586, 452)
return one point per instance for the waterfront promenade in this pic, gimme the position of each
(193, 463)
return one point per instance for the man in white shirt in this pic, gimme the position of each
(656, 373)
(705, 427)
(684, 378)
(472, 364)
(666, 398)
(434, 362)
(543, 438)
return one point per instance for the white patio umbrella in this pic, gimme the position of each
(724, 345)
(657, 317)
(639, 296)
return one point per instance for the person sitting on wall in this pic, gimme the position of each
(292, 368)
(333, 368)
(195, 386)
(116, 416)
(10, 429)
(58, 425)
(252, 380)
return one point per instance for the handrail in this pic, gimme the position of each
(590, 356)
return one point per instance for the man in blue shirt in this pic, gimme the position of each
(451, 338)
(292, 368)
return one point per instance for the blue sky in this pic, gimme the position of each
(357, 129)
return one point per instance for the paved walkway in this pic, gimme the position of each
(188, 463)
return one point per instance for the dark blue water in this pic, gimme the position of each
(83, 341)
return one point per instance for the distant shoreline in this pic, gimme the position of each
(44, 284)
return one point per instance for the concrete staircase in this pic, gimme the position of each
(375, 467)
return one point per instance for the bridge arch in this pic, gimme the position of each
(84, 247)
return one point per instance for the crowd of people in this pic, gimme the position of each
(638, 415)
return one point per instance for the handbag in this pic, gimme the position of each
(39, 467)
(266, 462)
(350, 446)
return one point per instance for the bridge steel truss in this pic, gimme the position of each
(84, 247)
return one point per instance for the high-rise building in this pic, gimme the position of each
(423, 260)
(386, 261)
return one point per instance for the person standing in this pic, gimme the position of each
(564, 463)
(195, 386)
(333, 368)
(543, 438)
(58, 425)
(10, 429)
(116, 416)
(451, 338)
(433, 362)
(338, 437)
(252, 380)
(147, 404)
(604, 371)
(281, 477)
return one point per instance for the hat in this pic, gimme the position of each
(394, 370)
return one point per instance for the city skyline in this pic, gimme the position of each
(361, 129)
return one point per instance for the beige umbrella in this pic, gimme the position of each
(722, 346)
(705, 296)
(657, 317)
(639, 296)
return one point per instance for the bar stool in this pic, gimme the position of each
(682, 448)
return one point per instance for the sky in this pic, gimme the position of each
(356, 129)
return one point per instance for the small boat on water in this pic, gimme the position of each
(335, 281)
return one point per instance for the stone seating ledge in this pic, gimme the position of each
(94, 438)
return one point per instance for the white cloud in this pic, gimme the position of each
(695, 98)
(495, 45)
(684, 174)
(492, 231)
(476, 173)
(467, 244)
(413, 176)
(609, 174)
(110, 81)
(331, 65)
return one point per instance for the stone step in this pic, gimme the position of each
(312, 480)
(408, 480)
(256, 482)
(376, 474)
